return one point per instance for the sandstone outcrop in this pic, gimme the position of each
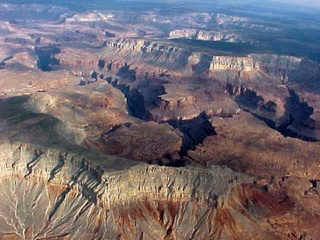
(149, 52)
(246, 143)
(110, 130)
(276, 66)
(259, 81)
(76, 193)
(205, 35)
(93, 117)
(112, 198)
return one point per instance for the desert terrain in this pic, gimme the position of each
(159, 120)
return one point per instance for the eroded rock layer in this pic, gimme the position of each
(113, 198)
(67, 192)
(189, 127)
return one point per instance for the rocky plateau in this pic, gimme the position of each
(152, 121)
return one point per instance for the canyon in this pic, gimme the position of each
(188, 127)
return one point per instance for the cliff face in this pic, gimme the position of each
(106, 198)
(153, 53)
(270, 86)
(257, 149)
(75, 141)
(282, 68)
(52, 194)
(198, 63)
(279, 67)
(205, 35)
(233, 63)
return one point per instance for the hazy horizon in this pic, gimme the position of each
(308, 3)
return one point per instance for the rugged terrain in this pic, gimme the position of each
(196, 125)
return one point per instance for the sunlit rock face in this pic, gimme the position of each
(271, 64)
(233, 63)
(268, 86)
(68, 193)
(157, 54)
(52, 194)
(205, 35)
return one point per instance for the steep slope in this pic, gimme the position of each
(50, 194)
(110, 130)
(65, 192)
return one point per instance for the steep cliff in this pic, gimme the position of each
(205, 35)
(271, 87)
(53, 194)
(50, 194)
(198, 63)
(150, 52)
(134, 136)
(279, 67)
(233, 63)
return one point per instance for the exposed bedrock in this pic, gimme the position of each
(148, 142)
(149, 52)
(247, 144)
(135, 99)
(205, 35)
(93, 117)
(188, 98)
(3, 60)
(91, 109)
(196, 130)
(278, 202)
(198, 63)
(268, 87)
(65, 192)
(258, 83)
(281, 68)
(295, 121)
(113, 198)
(167, 55)
(300, 124)
(77, 63)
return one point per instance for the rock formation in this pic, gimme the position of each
(111, 130)
(111, 198)
(205, 35)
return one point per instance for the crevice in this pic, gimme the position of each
(46, 60)
(74, 180)
(60, 200)
(195, 130)
(33, 162)
(283, 128)
(58, 167)
(297, 112)
(135, 99)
